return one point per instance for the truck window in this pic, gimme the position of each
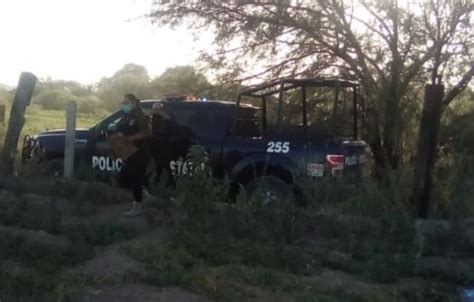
(248, 123)
(291, 113)
(195, 122)
(330, 111)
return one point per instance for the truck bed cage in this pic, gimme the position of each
(280, 86)
(288, 84)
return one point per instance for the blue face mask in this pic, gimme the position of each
(127, 107)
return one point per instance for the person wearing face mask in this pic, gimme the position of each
(134, 128)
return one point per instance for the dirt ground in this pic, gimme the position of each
(138, 293)
(113, 271)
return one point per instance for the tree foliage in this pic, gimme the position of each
(132, 78)
(53, 99)
(387, 47)
(181, 80)
(457, 133)
(54, 95)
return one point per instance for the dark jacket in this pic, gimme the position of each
(134, 122)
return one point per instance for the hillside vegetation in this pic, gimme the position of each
(69, 242)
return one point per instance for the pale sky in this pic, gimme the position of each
(85, 40)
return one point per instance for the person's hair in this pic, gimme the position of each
(132, 98)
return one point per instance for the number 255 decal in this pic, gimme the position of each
(278, 147)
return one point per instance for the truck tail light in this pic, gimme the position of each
(336, 164)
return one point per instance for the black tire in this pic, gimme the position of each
(273, 189)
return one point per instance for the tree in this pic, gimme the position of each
(89, 104)
(54, 94)
(385, 46)
(71, 87)
(54, 99)
(181, 80)
(132, 78)
(457, 131)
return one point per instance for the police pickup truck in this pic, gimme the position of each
(271, 135)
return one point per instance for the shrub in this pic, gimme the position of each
(89, 104)
(397, 249)
(42, 256)
(454, 187)
(19, 284)
(373, 223)
(249, 232)
(53, 99)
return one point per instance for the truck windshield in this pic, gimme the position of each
(116, 116)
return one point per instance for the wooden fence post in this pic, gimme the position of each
(24, 92)
(70, 140)
(426, 152)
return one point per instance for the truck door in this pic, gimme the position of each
(209, 124)
(256, 139)
(99, 155)
(101, 158)
(193, 125)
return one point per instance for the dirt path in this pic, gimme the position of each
(112, 267)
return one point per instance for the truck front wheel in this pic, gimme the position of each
(52, 168)
(270, 188)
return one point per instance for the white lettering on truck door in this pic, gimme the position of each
(105, 163)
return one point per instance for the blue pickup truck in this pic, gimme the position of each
(270, 134)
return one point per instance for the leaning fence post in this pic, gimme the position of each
(24, 92)
(70, 142)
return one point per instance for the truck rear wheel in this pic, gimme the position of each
(271, 188)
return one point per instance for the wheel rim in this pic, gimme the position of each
(270, 196)
(269, 193)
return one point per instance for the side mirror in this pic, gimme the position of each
(111, 128)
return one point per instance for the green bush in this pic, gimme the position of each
(53, 99)
(249, 232)
(373, 224)
(44, 257)
(454, 187)
(253, 233)
(22, 285)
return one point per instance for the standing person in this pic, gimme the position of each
(135, 128)
(163, 128)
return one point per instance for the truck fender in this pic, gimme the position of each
(258, 164)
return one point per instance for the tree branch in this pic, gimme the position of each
(460, 86)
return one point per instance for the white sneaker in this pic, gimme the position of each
(136, 210)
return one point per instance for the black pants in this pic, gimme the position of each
(133, 174)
